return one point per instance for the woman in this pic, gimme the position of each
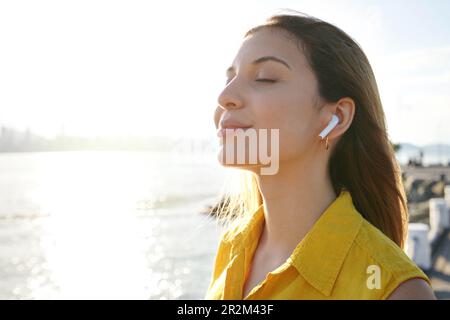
(331, 222)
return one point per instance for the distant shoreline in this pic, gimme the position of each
(429, 172)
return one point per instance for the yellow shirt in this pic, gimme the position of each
(342, 256)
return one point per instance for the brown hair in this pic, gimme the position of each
(363, 160)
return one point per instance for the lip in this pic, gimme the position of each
(229, 131)
(232, 126)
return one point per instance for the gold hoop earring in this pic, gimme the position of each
(326, 144)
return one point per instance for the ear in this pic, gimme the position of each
(345, 110)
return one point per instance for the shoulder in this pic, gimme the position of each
(413, 289)
(396, 270)
(382, 249)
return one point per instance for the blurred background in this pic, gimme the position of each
(108, 147)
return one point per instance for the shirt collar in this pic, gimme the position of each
(321, 253)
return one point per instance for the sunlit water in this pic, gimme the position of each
(106, 225)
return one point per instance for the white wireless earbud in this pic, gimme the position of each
(334, 121)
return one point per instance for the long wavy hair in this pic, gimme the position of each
(363, 161)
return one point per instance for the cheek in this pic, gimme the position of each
(280, 113)
(294, 133)
(294, 124)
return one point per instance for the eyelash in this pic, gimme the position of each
(266, 80)
(259, 80)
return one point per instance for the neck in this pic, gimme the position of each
(294, 199)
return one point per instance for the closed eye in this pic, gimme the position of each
(259, 80)
(266, 80)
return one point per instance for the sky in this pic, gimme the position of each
(147, 68)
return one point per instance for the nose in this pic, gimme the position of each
(229, 105)
(229, 98)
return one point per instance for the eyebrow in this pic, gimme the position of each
(264, 59)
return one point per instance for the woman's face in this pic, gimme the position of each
(278, 92)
